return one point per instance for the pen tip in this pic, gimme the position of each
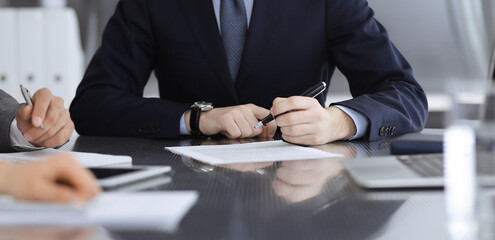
(258, 125)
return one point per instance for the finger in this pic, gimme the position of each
(24, 113)
(300, 129)
(297, 177)
(246, 167)
(53, 130)
(286, 191)
(293, 103)
(269, 130)
(259, 112)
(310, 139)
(252, 118)
(51, 191)
(294, 193)
(81, 180)
(244, 126)
(37, 182)
(23, 117)
(41, 101)
(278, 100)
(55, 112)
(60, 138)
(295, 118)
(305, 165)
(230, 128)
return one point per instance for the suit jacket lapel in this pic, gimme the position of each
(264, 20)
(201, 18)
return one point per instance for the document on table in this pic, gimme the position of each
(85, 159)
(160, 211)
(251, 152)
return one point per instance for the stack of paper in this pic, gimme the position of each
(160, 211)
(251, 152)
(85, 159)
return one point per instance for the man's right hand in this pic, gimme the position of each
(48, 110)
(234, 122)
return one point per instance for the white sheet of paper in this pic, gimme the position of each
(251, 152)
(85, 159)
(160, 211)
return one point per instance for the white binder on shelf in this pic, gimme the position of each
(30, 48)
(64, 58)
(9, 81)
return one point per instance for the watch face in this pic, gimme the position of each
(204, 106)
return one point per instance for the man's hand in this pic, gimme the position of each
(49, 111)
(234, 122)
(305, 121)
(57, 179)
(303, 179)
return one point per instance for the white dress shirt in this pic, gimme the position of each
(359, 119)
(17, 140)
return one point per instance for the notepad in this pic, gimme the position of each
(158, 211)
(269, 151)
(85, 159)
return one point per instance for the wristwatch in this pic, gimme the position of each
(196, 110)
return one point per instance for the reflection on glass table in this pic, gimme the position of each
(297, 181)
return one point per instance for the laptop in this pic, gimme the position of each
(421, 162)
(399, 171)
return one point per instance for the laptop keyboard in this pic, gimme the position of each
(426, 165)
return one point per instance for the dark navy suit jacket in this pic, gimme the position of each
(291, 45)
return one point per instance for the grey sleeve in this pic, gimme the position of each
(8, 108)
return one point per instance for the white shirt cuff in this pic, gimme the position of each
(183, 129)
(18, 141)
(359, 119)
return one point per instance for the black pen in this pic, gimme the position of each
(312, 92)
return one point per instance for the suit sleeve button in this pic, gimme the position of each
(382, 131)
(388, 130)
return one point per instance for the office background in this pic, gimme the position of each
(443, 39)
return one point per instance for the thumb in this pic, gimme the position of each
(56, 192)
(269, 130)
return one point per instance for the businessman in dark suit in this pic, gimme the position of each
(241, 55)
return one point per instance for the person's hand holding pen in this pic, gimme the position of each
(302, 120)
(44, 121)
